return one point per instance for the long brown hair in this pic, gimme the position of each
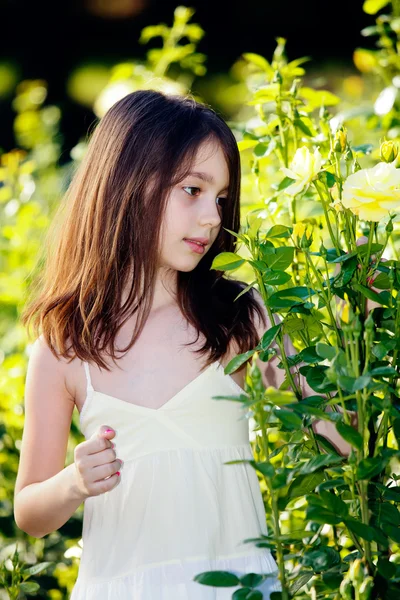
(107, 227)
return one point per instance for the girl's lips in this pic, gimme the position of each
(195, 247)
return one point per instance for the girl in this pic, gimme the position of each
(127, 272)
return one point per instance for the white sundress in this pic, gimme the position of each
(178, 510)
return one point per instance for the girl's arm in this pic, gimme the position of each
(272, 376)
(45, 494)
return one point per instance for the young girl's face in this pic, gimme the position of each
(195, 208)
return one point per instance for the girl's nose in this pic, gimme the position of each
(211, 214)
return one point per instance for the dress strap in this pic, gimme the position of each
(89, 386)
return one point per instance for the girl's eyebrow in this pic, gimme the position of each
(205, 177)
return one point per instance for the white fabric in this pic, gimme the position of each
(178, 510)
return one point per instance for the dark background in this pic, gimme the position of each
(47, 40)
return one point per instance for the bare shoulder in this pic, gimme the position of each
(42, 357)
(47, 420)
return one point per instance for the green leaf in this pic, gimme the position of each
(296, 292)
(299, 582)
(38, 568)
(274, 277)
(330, 178)
(350, 434)
(366, 532)
(332, 484)
(251, 579)
(259, 61)
(279, 231)
(382, 349)
(303, 127)
(385, 512)
(304, 484)
(261, 150)
(334, 503)
(283, 184)
(281, 478)
(29, 587)
(217, 578)
(239, 236)
(325, 444)
(281, 259)
(237, 361)
(289, 297)
(245, 144)
(304, 408)
(388, 371)
(326, 351)
(362, 249)
(227, 261)
(318, 98)
(316, 379)
(246, 289)
(263, 467)
(316, 462)
(392, 532)
(322, 515)
(279, 397)
(369, 467)
(288, 418)
(309, 355)
(269, 336)
(346, 273)
(371, 295)
(321, 559)
(353, 384)
(381, 282)
(392, 493)
(333, 258)
(386, 568)
(254, 223)
(396, 428)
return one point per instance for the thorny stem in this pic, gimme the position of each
(325, 296)
(279, 337)
(328, 222)
(274, 505)
(361, 397)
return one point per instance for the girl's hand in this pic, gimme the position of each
(97, 468)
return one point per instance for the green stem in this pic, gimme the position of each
(326, 298)
(279, 337)
(274, 505)
(328, 222)
(361, 397)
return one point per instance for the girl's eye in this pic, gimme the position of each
(221, 199)
(190, 187)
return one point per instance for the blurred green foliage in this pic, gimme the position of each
(32, 182)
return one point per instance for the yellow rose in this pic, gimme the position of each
(343, 308)
(389, 151)
(299, 229)
(302, 235)
(371, 193)
(303, 168)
